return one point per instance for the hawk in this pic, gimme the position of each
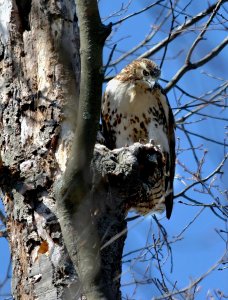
(136, 109)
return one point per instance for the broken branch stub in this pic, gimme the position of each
(130, 172)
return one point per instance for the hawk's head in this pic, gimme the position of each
(142, 71)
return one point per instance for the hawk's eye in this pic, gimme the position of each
(145, 73)
(155, 72)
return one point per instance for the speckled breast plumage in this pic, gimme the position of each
(133, 112)
(142, 124)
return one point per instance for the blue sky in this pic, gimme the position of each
(4, 264)
(200, 246)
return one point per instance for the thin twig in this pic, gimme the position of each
(170, 32)
(204, 137)
(195, 282)
(180, 29)
(190, 223)
(191, 66)
(164, 286)
(136, 13)
(110, 58)
(190, 143)
(200, 36)
(148, 38)
(217, 170)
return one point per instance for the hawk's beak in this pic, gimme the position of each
(151, 82)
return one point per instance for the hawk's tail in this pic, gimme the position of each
(169, 203)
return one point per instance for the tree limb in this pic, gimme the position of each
(217, 170)
(72, 191)
(195, 282)
(191, 66)
(180, 29)
(137, 12)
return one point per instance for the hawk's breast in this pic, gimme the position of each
(135, 114)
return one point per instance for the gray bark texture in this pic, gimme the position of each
(60, 250)
(39, 83)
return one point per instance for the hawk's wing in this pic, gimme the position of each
(172, 158)
(108, 133)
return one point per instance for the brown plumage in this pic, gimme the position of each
(135, 109)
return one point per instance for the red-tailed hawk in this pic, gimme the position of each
(135, 109)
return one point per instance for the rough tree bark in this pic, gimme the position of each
(39, 91)
(39, 82)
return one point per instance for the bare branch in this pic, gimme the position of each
(200, 36)
(137, 12)
(212, 54)
(205, 138)
(195, 282)
(190, 223)
(217, 170)
(202, 98)
(123, 9)
(191, 66)
(72, 192)
(110, 58)
(153, 31)
(196, 112)
(170, 32)
(190, 143)
(180, 29)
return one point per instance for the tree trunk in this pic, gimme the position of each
(39, 63)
